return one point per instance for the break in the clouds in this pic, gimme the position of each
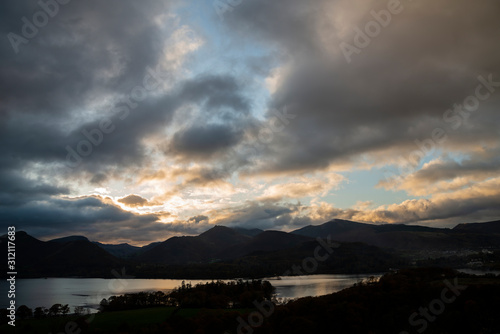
(129, 121)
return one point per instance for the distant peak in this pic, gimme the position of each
(70, 238)
(342, 221)
(218, 229)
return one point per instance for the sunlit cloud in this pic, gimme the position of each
(184, 121)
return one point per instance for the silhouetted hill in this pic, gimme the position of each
(333, 227)
(148, 247)
(35, 258)
(489, 227)
(250, 232)
(216, 244)
(80, 258)
(265, 242)
(69, 239)
(202, 248)
(405, 237)
(221, 237)
(122, 251)
(177, 250)
(347, 258)
(401, 302)
(226, 252)
(29, 250)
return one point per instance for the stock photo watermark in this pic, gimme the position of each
(11, 274)
(436, 307)
(30, 28)
(115, 286)
(95, 137)
(277, 123)
(455, 118)
(308, 266)
(372, 29)
(223, 6)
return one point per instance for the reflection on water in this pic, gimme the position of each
(316, 285)
(90, 291)
(479, 272)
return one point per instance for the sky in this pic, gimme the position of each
(129, 121)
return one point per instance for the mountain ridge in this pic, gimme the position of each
(223, 249)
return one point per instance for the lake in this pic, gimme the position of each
(89, 292)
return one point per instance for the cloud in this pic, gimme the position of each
(194, 144)
(83, 215)
(204, 141)
(394, 92)
(478, 202)
(198, 219)
(309, 187)
(15, 189)
(447, 174)
(134, 201)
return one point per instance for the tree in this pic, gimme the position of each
(55, 309)
(64, 309)
(79, 310)
(40, 312)
(24, 312)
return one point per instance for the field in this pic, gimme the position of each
(109, 321)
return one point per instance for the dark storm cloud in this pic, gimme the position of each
(93, 217)
(55, 215)
(16, 189)
(205, 140)
(395, 91)
(88, 51)
(93, 50)
(89, 48)
(123, 147)
(79, 70)
(44, 138)
(253, 214)
(217, 92)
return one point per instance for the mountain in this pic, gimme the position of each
(148, 247)
(231, 252)
(217, 244)
(177, 250)
(221, 237)
(249, 232)
(122, 251)
(73, 257)
(489, 227)
(265, 242)
(336, 227)
(70, 238)
(406, 237)
(347, 258)
(80, 258)
(208, 246)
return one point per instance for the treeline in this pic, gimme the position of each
(56, 310)
(429, 300)
(212, 295)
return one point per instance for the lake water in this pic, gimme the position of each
(479, 272)
(89, 292)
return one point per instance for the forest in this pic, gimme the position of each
(430, 300)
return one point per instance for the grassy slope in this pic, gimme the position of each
(108, 321)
